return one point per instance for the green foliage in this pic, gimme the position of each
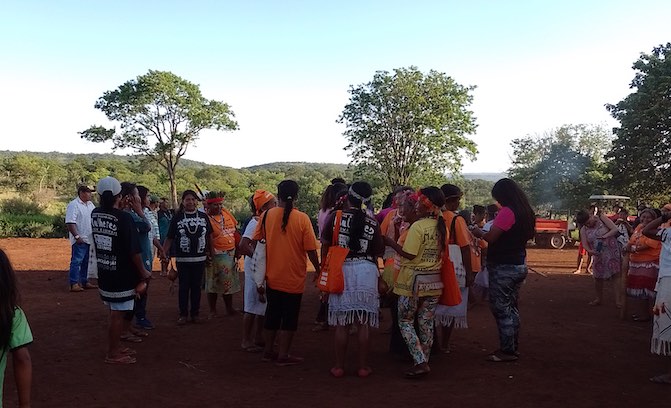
(409, 126)
(159, 115)
(31, 226)
(19, 206)
(562, 168)
(640, 154)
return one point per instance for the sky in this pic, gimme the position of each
(285, 67)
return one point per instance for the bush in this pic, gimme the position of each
(19, 206)
(31, 226)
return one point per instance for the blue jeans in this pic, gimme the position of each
(504, 286)
(190, 282)
(79, 264)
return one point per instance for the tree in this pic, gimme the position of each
(408, 125)
(562, 168)
(160, 115)
(640, 153)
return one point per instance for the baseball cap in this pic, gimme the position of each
(85, 187)
(109, 184)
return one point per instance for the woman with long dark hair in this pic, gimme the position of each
(289, 236)
(513, 226)
(15, 333)
(419, 282)
(191, 231)
(359, 303)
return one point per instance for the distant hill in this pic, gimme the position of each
(192, 164)
(485, 176)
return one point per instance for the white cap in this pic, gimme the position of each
(109, 184)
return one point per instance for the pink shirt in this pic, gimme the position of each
(505, 219)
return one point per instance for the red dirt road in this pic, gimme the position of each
(573, 355)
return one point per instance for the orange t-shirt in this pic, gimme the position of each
(286, 262)
(223, 231)
(387, 221)
(650, 254)
(476, 253)
(462, 236)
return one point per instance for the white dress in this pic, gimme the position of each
(251, 296)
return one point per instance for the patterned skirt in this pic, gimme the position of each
(641, 279)
(222, 276)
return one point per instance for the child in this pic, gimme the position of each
(15, 334)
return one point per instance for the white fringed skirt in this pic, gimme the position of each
(359, 302)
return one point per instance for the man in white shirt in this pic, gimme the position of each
(78, 222)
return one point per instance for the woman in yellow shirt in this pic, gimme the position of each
(419, 281)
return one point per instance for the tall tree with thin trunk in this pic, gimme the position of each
(159, 116)
(408, 125)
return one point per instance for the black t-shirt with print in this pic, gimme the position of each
(116, 241)
(372, 245)
(190, 234)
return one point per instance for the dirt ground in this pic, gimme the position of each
(573, 355)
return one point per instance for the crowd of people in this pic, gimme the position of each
(434, 261)
(430, 256)
(635, 256)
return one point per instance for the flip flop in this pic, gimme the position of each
(122, 359)
(253, 349)
(131, 338)
(416, 372)
(661, 379)
(364, 372)
(499, 357)
(337, 372)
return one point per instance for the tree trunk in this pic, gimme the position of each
(173, 187)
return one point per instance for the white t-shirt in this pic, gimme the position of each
(79, 213)
(665, 254)
(249, 233)
(487, 226)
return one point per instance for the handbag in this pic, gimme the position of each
(258, 264)
(451, 260)
(331, 279)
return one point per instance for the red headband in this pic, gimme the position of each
(214, 200)
(433, 209)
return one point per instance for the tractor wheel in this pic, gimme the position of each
(558, 241)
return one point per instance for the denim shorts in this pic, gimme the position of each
(121, 306)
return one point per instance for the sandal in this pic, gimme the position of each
(661, 379)
(127, 351)
(131, 338)
(288, 361)
(121, 359)
(418, 371)
(364, 372)
(501, 357)
(595, 302)
(138, 333)
(337, 372)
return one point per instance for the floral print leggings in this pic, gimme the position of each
(419, 342)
